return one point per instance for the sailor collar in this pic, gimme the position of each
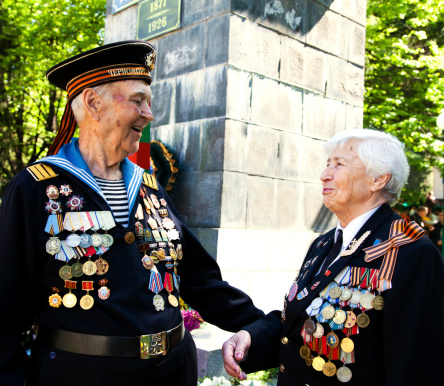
(70, 159)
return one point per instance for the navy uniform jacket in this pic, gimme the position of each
(402, 345)
(27, 271)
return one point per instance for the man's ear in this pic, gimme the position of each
(379, 182)
(91, 102)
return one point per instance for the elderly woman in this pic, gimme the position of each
(92, 249)
(357, 309)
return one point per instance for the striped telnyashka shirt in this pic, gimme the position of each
(117, 198)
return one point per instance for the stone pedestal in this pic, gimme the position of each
(245, 94)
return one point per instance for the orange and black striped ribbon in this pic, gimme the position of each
(402, 232)
(90, 79)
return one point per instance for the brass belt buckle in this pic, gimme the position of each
(153, 345)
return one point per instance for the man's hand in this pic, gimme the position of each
(234, 351)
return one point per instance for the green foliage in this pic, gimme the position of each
(34, 36)
(404, 79)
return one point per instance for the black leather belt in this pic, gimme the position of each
(144, 346)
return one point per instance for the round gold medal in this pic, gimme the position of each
(328, 312)
(318, 363)
(129, 238)
(89, 268)
(363, 320)
(366, 300)
(102, 266)
(340, 317)
(173, 300)
(309, 361)
(69, 300)
(304, 352)
(346, 294)
(335, 292)
(329, 369)
(347, 345)
(65, 272)
(378, 303)
(86, 302)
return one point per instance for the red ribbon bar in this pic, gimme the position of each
(90, 251)
(168, 282)
(70, 284)
(324, 345)
(333, 353)
(87, 285)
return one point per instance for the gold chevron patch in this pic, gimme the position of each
(150, 181)
(41, 172)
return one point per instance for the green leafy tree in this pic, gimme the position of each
(404, 80)
(34, 36)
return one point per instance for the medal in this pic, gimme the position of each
(363, 320)
(163, 212)
(351, 319)
(129, 237)
(89, 268)
(87, 301)
(65, 190)
(356, 297)
(65, 272)
(138, 231)
(75, 203)
(164, 235)
(163, 202)
(161, 254)
(69, 299)
(55, 299)
(347, 345)
(107, 240)
(332, 340)
(156, 286)
(344, 374)
(378, 303)
(53, 245)
(293, 291)
(155, 201)
(319, 332)
(96, 240)
(309, 361)
(102, 266)
(156, 235)
(366, 300)
(77, 269)
(168, 284)
(73, 240)
(317, 303)
(346, 294)
(309, 326)
(52, 192)
(173, 254)
(103, 291)
(305, 352)
(340, 316)
(329, 368)
(335, 292)
(85, 240)
(328, 312)
(318, 363)
(179, 251)
(147, 262)
(173, 234)
(53, 207)
(147, 235)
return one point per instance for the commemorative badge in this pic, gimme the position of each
(87, 301)
(293, 291)
(53, 207)
(55, 300)
(75, 203)
(65, 190)
(103, 292)
(52, 192)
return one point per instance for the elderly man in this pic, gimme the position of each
(367, 305)
(95, 253)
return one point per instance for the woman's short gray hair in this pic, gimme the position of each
(77, 105)
(381, 153)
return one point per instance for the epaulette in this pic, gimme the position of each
(41, 172)
(150, 181)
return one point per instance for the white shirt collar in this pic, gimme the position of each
(350, 231)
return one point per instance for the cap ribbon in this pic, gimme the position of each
(90, 79)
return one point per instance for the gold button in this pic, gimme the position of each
(284, 340)
(282, 368)
(129, 238)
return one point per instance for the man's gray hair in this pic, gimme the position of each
(381, 153)
(77, 106)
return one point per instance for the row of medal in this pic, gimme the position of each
(340, 293)
(162, 230)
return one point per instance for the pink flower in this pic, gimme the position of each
(192, 319)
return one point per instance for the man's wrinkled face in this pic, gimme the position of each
(124, 115)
